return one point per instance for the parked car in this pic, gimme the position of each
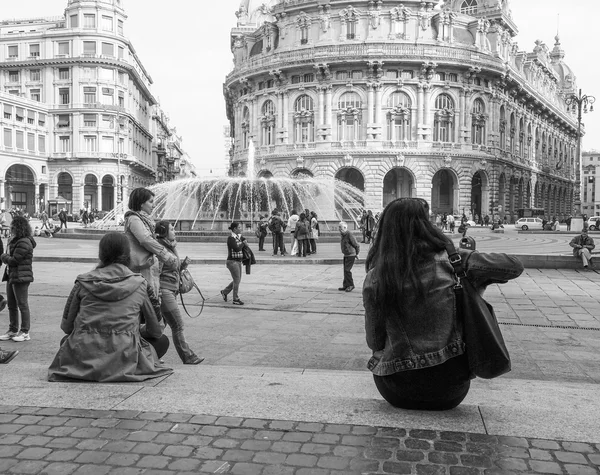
(594, 223)
(529, 223)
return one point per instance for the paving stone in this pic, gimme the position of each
(297, 437)
(385, 442)
(301, 460)
(159, 426)
(281, 425)
(229, 421)
(178, 451)
(4, 418)
(443, 458)
(123, 460)
(6, 464)
(55, 420)
(245, 468)
(63, 455)
(178, 417)
(471, 460)
(333, 439)
(417, 444)
(142, 436)
(95, 457)
(61, 431)
(269, 435)
(147, 448)
(168, 438)
(512, 464)
(90, 469)
(423, 434)
(10, 428)
(570, 457)
(59, 469)
(10, 439)
(240, 433)
(207, 453)
(539, 454)
(10, 450)
(49, 411)
(104, 423)
(346, 451)
(226, 443)
(514, 441)
(333, 462)
(87, 433)
(456, 470)
(581, 470)
(312, 471)
(33, 430)
(545, 467)
(213, 431)
(151, 416)
(202, 419)
(309, 427)
(184, 464)
(545, 444)
(577, 447)
(423, 469)
(34, 453)
(131, 424)
(447, 446)
(28, 466)
(255, 423)
(283, 470)
(124, 446)
(80, 422)
(153, 461)
(410, 455)
(28, 419)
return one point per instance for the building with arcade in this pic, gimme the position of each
(404, 98)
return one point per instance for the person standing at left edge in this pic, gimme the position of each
(350, 250)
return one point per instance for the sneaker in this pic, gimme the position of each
(21, 336)
(237, 302)
(342, 289)
(8, 336)
(350, 289)
(3, 304)
(194, 360)
(7, 356)
(224, 295)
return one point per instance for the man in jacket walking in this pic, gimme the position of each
(350, 250)
(582, 247)
(277, 227)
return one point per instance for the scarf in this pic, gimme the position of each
(146, 219)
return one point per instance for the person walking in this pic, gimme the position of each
(44, 218)
(262, 231)
(370, 226)
(451, 223)
(302, 232)
(85, 218)
(235, 243)
(140, 229)
(277, 227)
(350, 250)
(18, 275)
(291, 225)
(62, 217)
(169, 289)
(363, 226)
(486, 220)
(104, 340)
(6, 356)
(583, 245)
(315, 232)
(568, 222)
(411, 325)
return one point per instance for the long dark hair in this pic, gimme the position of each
(114, 249)
(404, 241)
(138, 197)
(20, 227)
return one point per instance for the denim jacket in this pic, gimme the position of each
(428, 333)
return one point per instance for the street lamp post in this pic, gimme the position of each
(579, 103)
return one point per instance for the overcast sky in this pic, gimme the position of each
(184, 45)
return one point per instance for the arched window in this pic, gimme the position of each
(349, 116)
(245, 127)
(469, 7)
(399, 117)
(443, 126)
(267, 123)
(304, 119)
(478, 120)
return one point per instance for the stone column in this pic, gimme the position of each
(2, 197)
(370, 104)
(285, 124)
(419, 109)
(426, 97)
(99, 197)
(255, 122)
(81, 197)
(378, 103)
(321, 117)
(36, 197)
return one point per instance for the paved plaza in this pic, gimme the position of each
(285, 389)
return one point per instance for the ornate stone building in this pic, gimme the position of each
(78, 119)
(404, 98)
(590, 185)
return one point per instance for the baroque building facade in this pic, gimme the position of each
(79, 125)
(590, 184)
(404, 98)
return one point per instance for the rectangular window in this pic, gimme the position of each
(107, 23)
(63, 48)
(120, 27)
(7, 111)
(20, 114)
(8, 138)
(121, 78)
(41, 119)
(89, 20)
(89, 73)
(108, 96)
(296, 79)
(34, 50)
(31, 117)
(34, 75)
(108, 144)
(108, 49)
(90, 143)
(342, 75)
(31, 142)
(41, 143)
(64, 95)
(64, 120)
(89, 95)
(74, 21)
(89, 47)
(89, 120)
(351, 25)
(64, 144)
(14, 92)
(13, 51)
(34, 95)
(121, 99)
(121, 52)
(13, 76)
(20, 140)
(407, 74)
(64, 73)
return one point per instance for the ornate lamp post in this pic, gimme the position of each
(579, 103)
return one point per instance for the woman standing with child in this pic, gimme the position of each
(169, 288)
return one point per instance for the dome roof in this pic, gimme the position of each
(565, 74)
(256, 12)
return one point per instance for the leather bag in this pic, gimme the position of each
(486, 351)
(187, 284)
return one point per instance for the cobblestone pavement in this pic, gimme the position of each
(36, 440)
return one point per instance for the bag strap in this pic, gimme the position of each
(456, 261)
(201, 307)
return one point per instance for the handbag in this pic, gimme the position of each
(187, 284)
(486, 351)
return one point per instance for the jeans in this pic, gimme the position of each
(584, 253)
(348, 264)
(278, 243)
(313, 246)
(261, 242)
(235, 267)
(61, 225)
(302, 247)
(170, 310)
(17, 299)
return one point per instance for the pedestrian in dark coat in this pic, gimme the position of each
(350, 250)
(18, 275)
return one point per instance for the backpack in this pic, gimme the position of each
(275, 224)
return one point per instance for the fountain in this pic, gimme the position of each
(201, 204)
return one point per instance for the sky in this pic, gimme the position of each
(185, 47)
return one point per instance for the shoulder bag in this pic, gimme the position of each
(187, 284)
(486, 351)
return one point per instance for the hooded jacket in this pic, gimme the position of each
(19, 260)
(102, 320)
